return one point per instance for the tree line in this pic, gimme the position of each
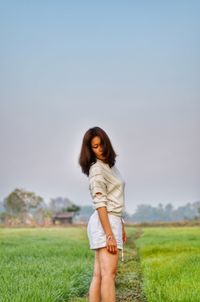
(25, 207)
(168, 213)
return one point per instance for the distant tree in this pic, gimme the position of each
(144, 213)
(196, 206)
(148, 213)
(169, 208)
(3, 217)
(20, 202)
(168, 212)
(59, 204)
(15, 204)
(2, 209)
(84, 213)
(185, 212)
(72, 208)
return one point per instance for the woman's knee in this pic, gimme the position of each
(108, 264)
(109, 274)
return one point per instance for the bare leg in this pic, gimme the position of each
(108, 266)
(95, 286)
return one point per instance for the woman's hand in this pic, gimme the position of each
(111, 244)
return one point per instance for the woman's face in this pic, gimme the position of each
(97, 147)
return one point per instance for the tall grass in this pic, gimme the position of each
(170, 259)
(51, 264)
(55, 264)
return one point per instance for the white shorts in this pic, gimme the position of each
(96, 234)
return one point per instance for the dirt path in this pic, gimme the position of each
(129, 279)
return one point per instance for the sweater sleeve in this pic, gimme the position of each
(98, 188)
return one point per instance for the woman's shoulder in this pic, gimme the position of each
(97, 168)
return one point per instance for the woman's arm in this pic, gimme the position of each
(98, 188)
(111, 242)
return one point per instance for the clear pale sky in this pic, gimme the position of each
(130, 67)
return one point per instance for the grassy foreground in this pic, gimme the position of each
(55, 264)
(52, 264)
(170, 260)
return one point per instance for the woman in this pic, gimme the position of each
(105, 229)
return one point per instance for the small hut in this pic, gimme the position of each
(63, 218)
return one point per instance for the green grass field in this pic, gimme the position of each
(55, 264)
(170, 260)
(52, 264)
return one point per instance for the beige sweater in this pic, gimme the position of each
(108, 182)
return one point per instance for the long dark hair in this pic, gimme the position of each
(87, 156)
